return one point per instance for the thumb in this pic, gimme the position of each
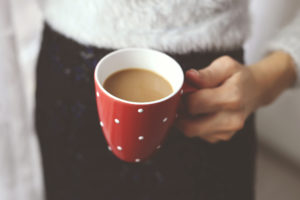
(197, 78)
(213, 75)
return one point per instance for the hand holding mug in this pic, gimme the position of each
(229, 94)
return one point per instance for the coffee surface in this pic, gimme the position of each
(137, 85)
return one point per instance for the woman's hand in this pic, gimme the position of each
(230, 92)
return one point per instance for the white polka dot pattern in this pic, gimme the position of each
(117, 121)
(101, 124)
(140, 110)
(109, 148)
(97, 94)
(141, 137)
(165, 120)
(137, 160)
(119, 148)
(158, 147)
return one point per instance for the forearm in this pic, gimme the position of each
(273, 75)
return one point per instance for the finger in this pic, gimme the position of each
(212, 100)
(210, 139)
(215, 138)
(204, 101)
(225, 136)
(213, 75)
(209, 124)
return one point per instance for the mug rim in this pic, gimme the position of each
(133, 102)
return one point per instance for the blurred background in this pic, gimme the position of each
(278, 125)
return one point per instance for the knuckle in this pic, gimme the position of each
(236, 100)
(227, 59)
(229, 62)
(209, 73)
(212, 140)
(235, 123)
(206, 74)
(227, 137)
(239, 122)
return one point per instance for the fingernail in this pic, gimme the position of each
(194, 71)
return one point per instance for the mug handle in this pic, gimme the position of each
(188, 88)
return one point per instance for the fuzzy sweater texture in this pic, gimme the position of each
(177, 26)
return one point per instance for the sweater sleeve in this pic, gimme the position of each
(288, 40)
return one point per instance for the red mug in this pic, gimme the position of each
(135, 130)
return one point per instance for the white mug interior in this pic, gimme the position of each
(152, 60)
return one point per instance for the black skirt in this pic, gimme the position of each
(77, 164)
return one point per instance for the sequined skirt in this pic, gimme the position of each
(77, 164)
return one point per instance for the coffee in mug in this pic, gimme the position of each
(137, 85)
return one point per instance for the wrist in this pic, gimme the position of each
(272, 75)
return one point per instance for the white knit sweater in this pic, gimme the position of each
(174, 25)
(179, 26)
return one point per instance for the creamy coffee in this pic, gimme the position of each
(138, 85)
